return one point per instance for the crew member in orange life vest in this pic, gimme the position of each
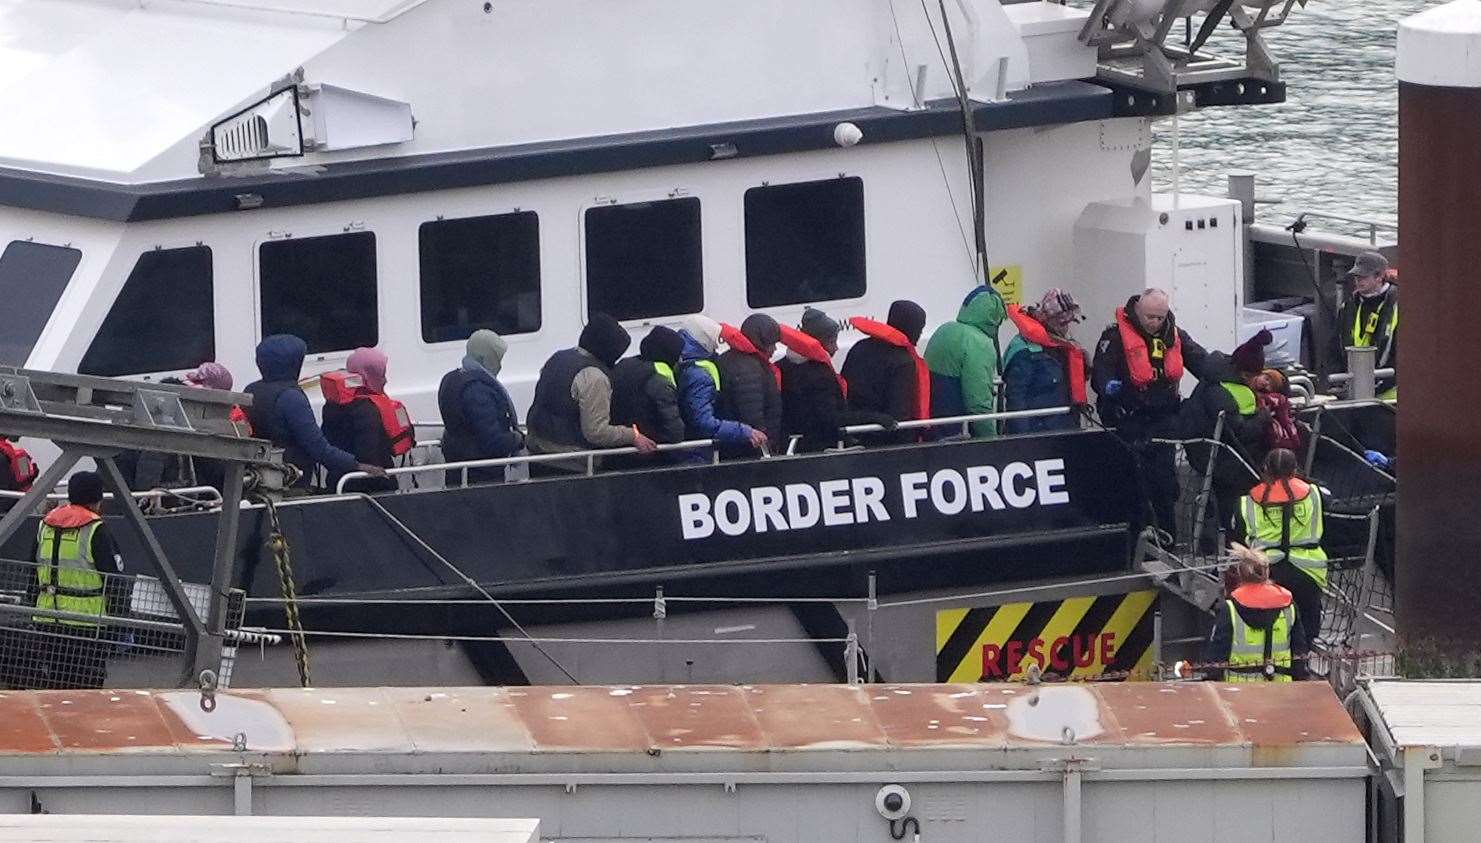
(1139, 365)
(1043, 367)
(885, 372)
(365, 421)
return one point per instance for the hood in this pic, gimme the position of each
(488, 348)
(662, 345)
(280, 357)
(703, 330)
(693, 348)
(605, 339)
(908, 318)
(1220, 368)
(983, 309)
(370, 364)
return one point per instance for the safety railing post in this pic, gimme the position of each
(851, 655)
(870, 608)
(1207, 489)
(660, 614)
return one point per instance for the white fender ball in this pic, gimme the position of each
(847, 134)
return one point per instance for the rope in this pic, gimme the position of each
(283, 558)
(528, 639)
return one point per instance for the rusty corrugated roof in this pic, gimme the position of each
(1271, 721)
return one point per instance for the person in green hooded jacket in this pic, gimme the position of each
(963, 359)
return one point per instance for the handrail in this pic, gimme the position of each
(590, 457)
(1344, 377)
(212, 492)
(961, 420)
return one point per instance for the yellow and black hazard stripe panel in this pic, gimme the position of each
(1075, 638)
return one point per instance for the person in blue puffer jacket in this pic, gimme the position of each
(281, 413)
(699, 388)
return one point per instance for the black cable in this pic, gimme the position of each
(904, 827)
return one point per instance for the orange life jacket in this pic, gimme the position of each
(1139, 359)
(71, 516)
(893, 336)
(1261, 595)
(808, 348)
(22, 469)
(1276, 492)
(343, 387)
(742, 343)
(1034, 331)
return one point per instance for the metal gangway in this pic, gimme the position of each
(155, 614)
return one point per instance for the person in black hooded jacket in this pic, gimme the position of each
(644, 394)
(752, 392)
(885, 373)
(814, 396)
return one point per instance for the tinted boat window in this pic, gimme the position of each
(163, 320)
(805, 242)
(643, 260)
(320, 289)
(480, 272)
(32, 278)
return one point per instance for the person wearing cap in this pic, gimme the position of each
(572, 410)
(814, 395)
(886, 374)
(752, 393)
(700, 387)
(645, 393)
(1370, 318)
(74, 553)
(1257, 632)
(962, 357)
(479, 421)
(1043, 367)
(281, 413)
(1227, 390)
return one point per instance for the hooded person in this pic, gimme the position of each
(885, 372)
(359, 417)
(281, 413)
(752, 393)
(1227, 390)
(479, 421)
(700, 387)
(814, 395)
(572, 410)
(1043, 367)
(645, 392)
(963, 359)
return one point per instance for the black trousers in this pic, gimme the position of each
(1306, 594)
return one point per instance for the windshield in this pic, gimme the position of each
(32, 278)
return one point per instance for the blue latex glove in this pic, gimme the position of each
(1377, 459)
(1113, 388)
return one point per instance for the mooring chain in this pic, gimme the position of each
(283, 558)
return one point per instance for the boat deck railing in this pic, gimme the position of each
(590, 460)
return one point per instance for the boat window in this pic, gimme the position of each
(643, 259)
(805, 242)
(32, 278)
(480, 272)
(163, 319)
(320, 289)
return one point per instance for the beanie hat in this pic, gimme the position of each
(662, 345)
(85, 488)
(210, 376)
(761, 330)
(1056, 302)
(487, 349)
(818, 325)
(703, 330)
(604, 338)
(1249, 358)
(908, 318)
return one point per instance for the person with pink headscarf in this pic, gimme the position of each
(357, 425)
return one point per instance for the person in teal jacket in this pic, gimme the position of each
(963, 359)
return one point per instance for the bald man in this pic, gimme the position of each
(1139, 365)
